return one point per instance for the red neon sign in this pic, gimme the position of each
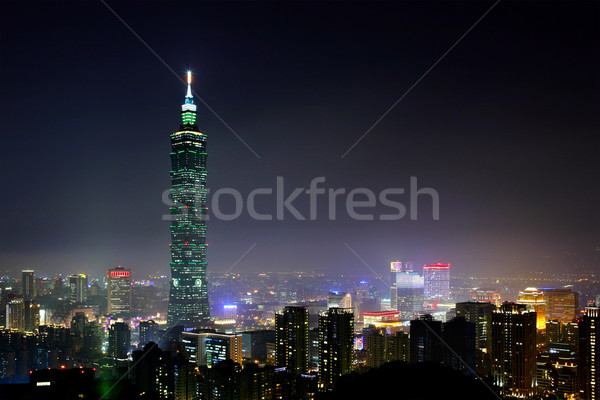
(119, 274)
(438, 266)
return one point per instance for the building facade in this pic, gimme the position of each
(513, 350)
(291, 339)
(118, 289)
(78, 284)
(188, 297)
(589, 361)
(336, 350)
(28, 284)
(436, 282)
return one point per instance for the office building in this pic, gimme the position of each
(425, 340)
(149, 332)
(15, 315)
(118, 287)
(486, 296)
(221, 382)
(553, 331)
(78, 284)
(291, 339)
(254, 344)
(28, 284)
(342, 300)
(119, 340)
(561, 304)
(436, 279)
(151, 372)
(513, 350)
(383, 348)
(230, 311)
(480, 314)
(409, 295)
(188, 297)
(184, 380)
(207, 348)
(589, 357)
(533, 298)
(459, 349)
(336, 350)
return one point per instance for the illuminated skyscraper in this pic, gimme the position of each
(589, 356)
(533, 298)
(188, 298)
(28, 286)
(336, 350)
(513, 350)
(291, 339)
(561, 304)
(408, 292)
(395, 268)
(77, 288)
(118, 287)
(436, 282)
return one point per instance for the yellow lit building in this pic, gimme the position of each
(534, 300)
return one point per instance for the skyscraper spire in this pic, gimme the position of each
(189, 88)
(188, 108)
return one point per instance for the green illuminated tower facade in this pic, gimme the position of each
(188, 297)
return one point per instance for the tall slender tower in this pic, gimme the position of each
(188, 298)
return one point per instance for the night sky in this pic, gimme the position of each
(505, 128)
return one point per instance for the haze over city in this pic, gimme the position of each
(504, 128)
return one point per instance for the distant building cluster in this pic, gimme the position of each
(541, 343)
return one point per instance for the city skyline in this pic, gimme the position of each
(509, 149)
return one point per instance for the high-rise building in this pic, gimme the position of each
(570, 335)
(230, 311)
(425, 340)
(436, 282)
(383, 348)
(480, 314)
(207, 348)
(119, 339)
(561, 304)
(78, 284)
(409, 292)
(28, 284)
(395, 269)
(459, 335)
(254, 344)
(119, 291)
(188, 298)
(487, 296)
(184, 380)
(533, 298)
(15, 315)
(222, 346)
(148, 331)
(513, 350)
(553, 331)
(150, 371)
(336, 350)
(589, 356)
(341, 300)
(93, 335)
(291, 338)
(222, 382)
(32, 315)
